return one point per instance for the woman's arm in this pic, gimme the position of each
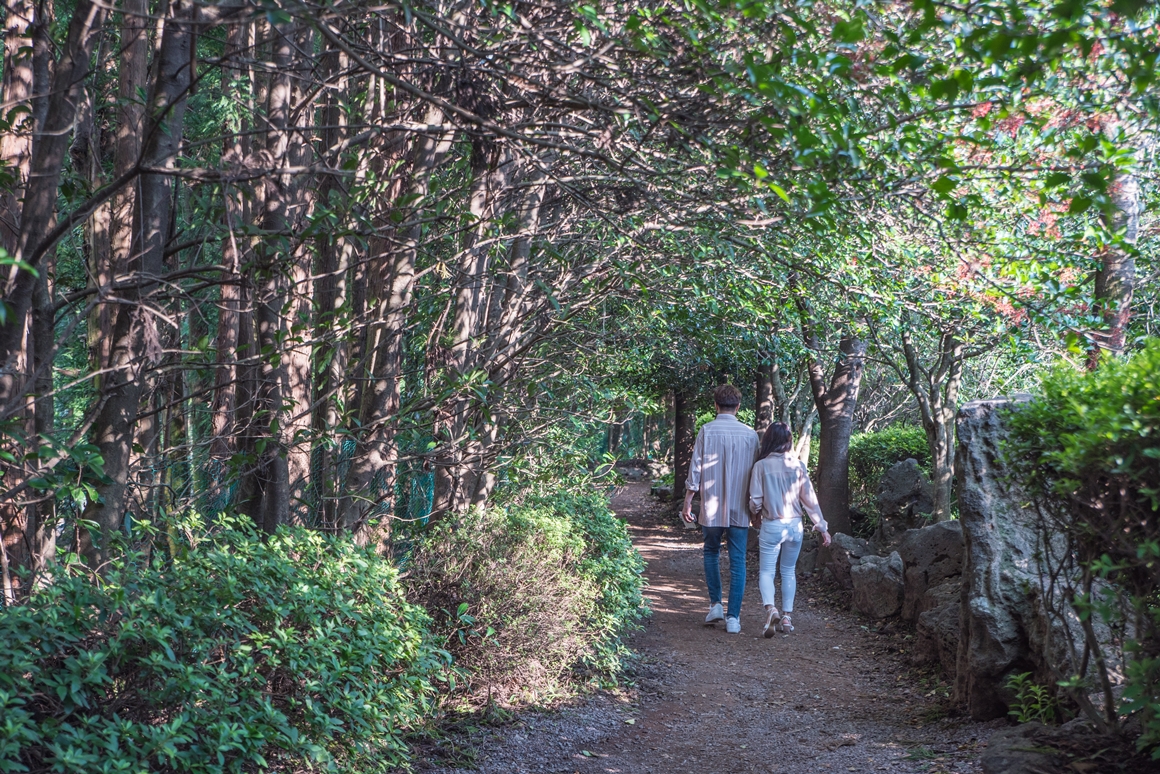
(756, 496)
(809, 502)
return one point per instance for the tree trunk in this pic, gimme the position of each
(270, 490)
(1115, 281)
(133, 72)
(936, 391)
(684, 437)
(331, 354)
(836, 405)
(135, 333)
(17, 89)
(377, 451)
(763, 416)
(39, 205)
(490, 168)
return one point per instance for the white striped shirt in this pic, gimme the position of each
(722, 458)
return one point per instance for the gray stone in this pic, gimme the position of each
(950, 590)
(845, 552)
(808, 562)
(1020, 750)
(1005, 625)
(663, 492)
(877, 585)
(905, 491)
(931, 555)
(937, 636)
(808, 559)
(658, 469)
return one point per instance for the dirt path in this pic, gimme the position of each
(833, 696)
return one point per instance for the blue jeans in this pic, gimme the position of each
(738, 537)
(781, 543)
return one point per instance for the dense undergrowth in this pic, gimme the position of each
(290, 651)
(301, 651)
(874, 453)
(1088, 450)
(530, 598)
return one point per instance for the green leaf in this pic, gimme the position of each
(849, 31)
(944, 185)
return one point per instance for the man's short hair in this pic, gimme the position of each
(727, 396)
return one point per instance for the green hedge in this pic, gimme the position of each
(872, 454)
(289, 652)
(1088, 449)
(531, 597)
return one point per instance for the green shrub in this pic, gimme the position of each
(1033, 702)
(288, 652)
(872, 454)
(1088, 450)
(530, 597)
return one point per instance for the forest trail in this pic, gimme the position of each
(833, 696)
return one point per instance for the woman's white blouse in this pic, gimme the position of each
(779, 488)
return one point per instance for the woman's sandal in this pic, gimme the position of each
(786, 625)
(770, 626)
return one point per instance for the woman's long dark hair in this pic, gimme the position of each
(777, 440)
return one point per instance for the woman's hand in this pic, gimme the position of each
(825, 538)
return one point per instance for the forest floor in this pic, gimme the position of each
(836, 695)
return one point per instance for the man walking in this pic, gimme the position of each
(723, 456)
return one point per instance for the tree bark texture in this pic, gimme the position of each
(763, 393)
(38, 210)
(135, 345)
(1115, 280)
(684, 436)
(836, 403)
(936, 391)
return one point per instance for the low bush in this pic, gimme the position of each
(872, 454)
(530, 597)
(288, 652)
(1088, 451)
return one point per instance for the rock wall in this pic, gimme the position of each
(972, 588)
(1005, 626)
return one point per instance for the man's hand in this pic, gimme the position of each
(687, 509)
(825, 538)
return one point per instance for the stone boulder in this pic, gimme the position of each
(845, 552)
(657, 469)
(663, 492)
(948, 591)
(931, 555)
(877, 585)
(937, 635)
(1005, 625)
(1020, 750)
(808, 559)
(905, 491)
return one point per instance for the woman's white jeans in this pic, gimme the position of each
(784, 537)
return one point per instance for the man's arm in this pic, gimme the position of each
(693, 482)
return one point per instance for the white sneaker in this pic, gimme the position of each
(716, 613)
(733, 626)
(770, 627)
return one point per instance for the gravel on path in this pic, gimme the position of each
(833, 696)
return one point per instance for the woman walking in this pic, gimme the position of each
(779, 488)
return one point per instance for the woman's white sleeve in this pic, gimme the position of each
(755, 494)
(810, 503)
